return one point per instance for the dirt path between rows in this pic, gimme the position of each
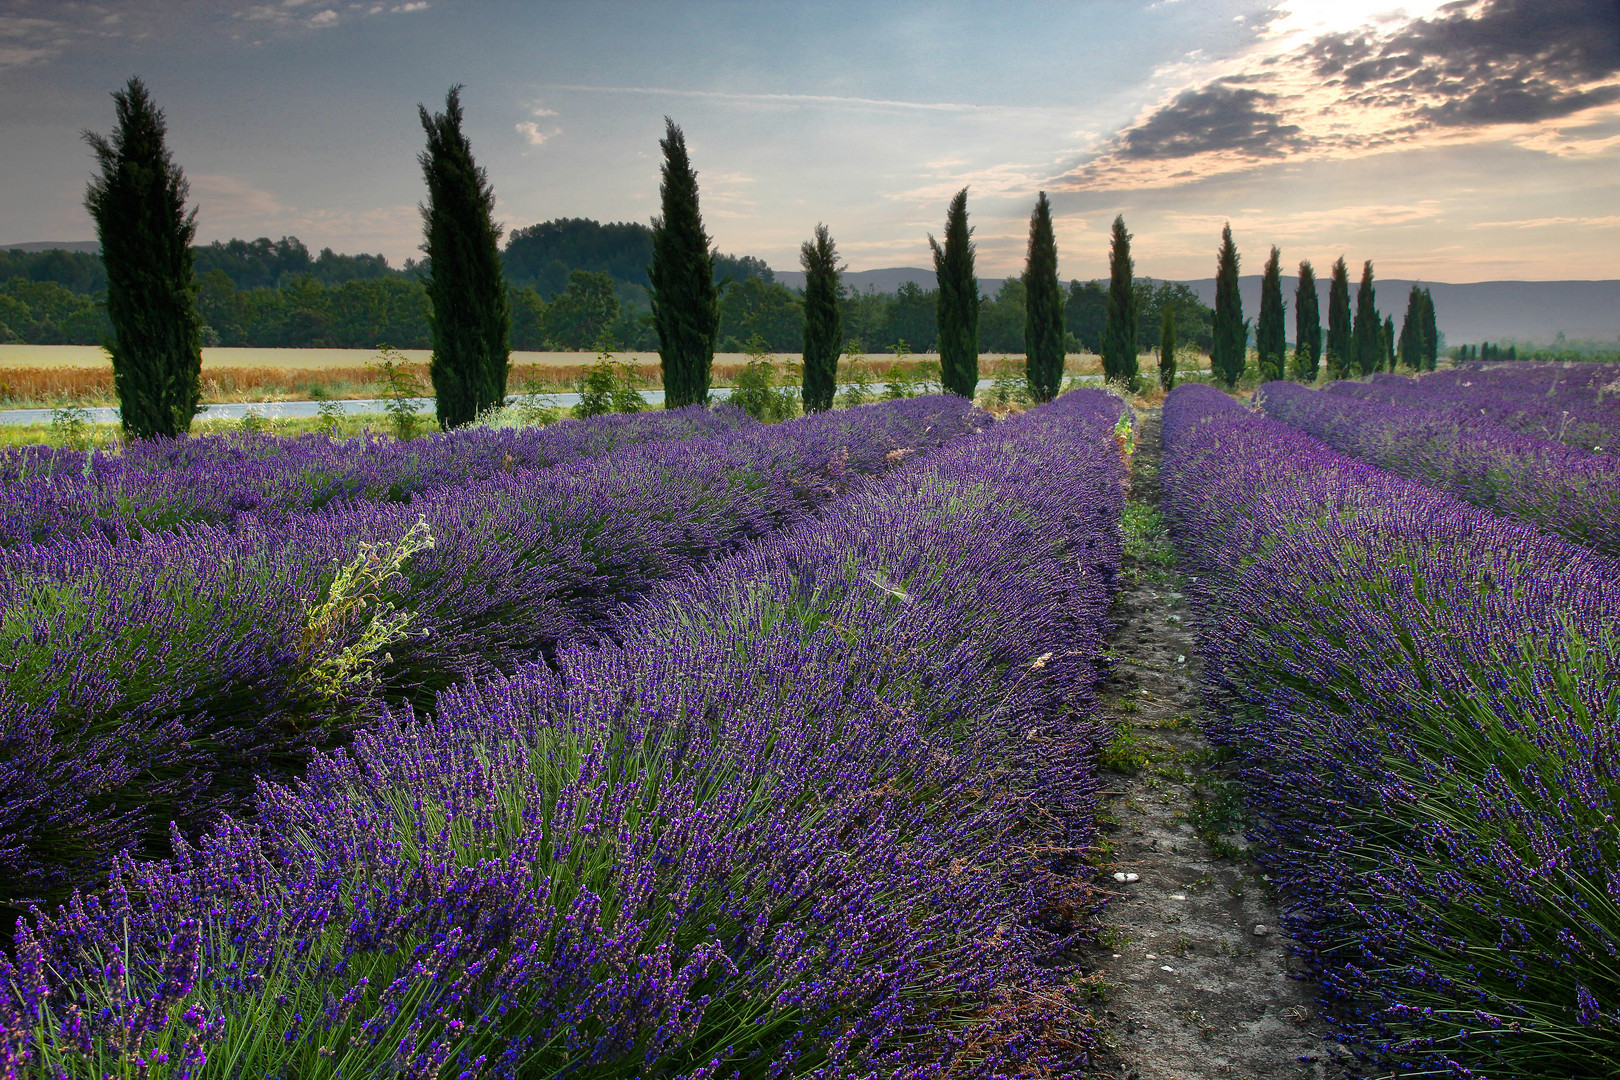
(1197, 974)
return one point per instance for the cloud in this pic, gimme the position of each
(1219, 117)
(25, 41)
(1472, 70)
(532, 133)
(324, 18)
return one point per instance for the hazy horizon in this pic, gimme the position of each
(1460, 142)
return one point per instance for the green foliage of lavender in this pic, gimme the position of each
(1423, 697)
(745, 842)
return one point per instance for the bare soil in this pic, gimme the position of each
(1199, 981)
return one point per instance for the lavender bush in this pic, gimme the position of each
(1573, 493)
(150, 680)
(780, 828)
(1424, 698)
(156, 484)
(1574, 403)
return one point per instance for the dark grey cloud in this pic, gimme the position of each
(1218, 117)
(1501, 62)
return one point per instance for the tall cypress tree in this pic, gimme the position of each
(1167, 348)
(1230, 352)
(823, 321)
(139, 206)
(1387, 340)
(1365, 346)
(471, 320)
(1431, 334)
(1119, 333)
(1043, 307)
(1410, 348)
(1339, 355)
(685, 300)
(1270, 336)
(958, 304)
(1307, 326)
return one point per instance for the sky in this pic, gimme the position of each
(1464, 141)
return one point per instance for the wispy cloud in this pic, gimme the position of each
(788, 100)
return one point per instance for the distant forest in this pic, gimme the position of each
(572, 283)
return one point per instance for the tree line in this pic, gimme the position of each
(156, 302)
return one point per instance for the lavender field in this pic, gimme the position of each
(677, 743)
(684, 745)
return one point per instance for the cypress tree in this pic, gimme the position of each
(1230, 352)
(958, 303)
(471, 320)
(1365, 346)
(1167, 348)
(685, 300)
(1387, 340)
(1339, 356)
(1307, 326)
(1270, 335)
(1119, 333)
(823, 321)
(1043, 307)
(138, 203)
(1431, 334)
(1410, 349)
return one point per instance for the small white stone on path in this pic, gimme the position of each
(1116, 956)
(1180, 659)
(1261, 929)
(1152, 956)
(1178, 896)
(1127, 879)
(1167, 967)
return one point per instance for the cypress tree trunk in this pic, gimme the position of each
(1043, 307)
(1167, 349)
(1431, 334)
(1270, 336)
(139, 206)
(823, 322)
(471, 320)
(1339, 356)
(1367, 349)
(958, 303)
(1229, 355)
(1119, 334)
(1307, 326)
(1387, 340)
(685, 300)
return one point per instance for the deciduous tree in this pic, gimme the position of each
(1167, 349)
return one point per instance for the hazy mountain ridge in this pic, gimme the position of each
(1468, 312)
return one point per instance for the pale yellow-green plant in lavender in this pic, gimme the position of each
(358, 609)
(401, 387)
(70, 426)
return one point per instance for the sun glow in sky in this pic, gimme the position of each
(1450, 141)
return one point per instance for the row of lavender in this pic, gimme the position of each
(151, 679)
(1572, 493)
(154, 484)
(1575, 403)
(1424, 699)
(798, 821)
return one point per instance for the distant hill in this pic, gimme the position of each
(91, 247)
(1472, 312)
